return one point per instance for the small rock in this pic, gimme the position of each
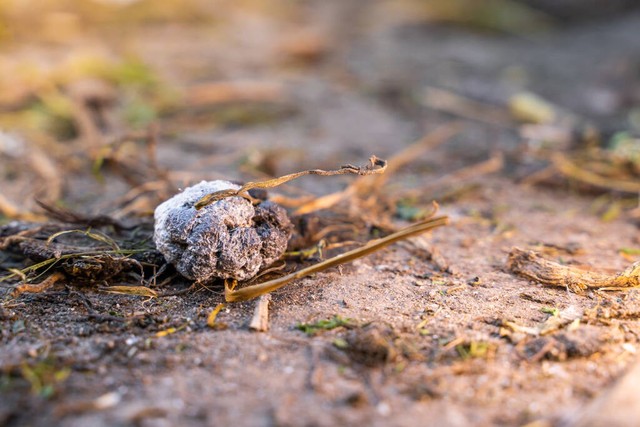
(230, 238)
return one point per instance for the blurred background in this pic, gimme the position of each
(110, 105)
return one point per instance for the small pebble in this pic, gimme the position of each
(228, 239)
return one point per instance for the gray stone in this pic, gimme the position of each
(230, 238)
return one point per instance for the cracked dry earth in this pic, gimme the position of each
(426, 346)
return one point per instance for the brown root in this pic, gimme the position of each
(37, 288)
(530, 265)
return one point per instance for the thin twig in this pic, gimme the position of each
(415, 151)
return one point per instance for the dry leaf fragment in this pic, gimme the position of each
(142, 291)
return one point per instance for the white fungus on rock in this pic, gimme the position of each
(230, 238)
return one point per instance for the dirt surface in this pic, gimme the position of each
(428, 340)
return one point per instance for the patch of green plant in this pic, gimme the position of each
(408, 211)
(49, 113)
(325, 325)
(44, 377)
(612, 213)
(507, 16)
(473, 349)
(630, 251)
(5, 382)
(340, 343)
(138, 113)
(132, 72)
(625, 146)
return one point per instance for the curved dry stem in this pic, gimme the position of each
(249, 292)
(95, 235)
(375, 166)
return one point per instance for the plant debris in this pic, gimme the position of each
(473, 349)
(252, 291)
(85, 257)
(44, 376)
(375, 166)
(569, 319)
(530, 265)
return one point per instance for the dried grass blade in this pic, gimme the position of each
(569, 169)
(142, 291)
(461, 106)
(486, 167)
(95, 235)
(37, 287)
(324, 202)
